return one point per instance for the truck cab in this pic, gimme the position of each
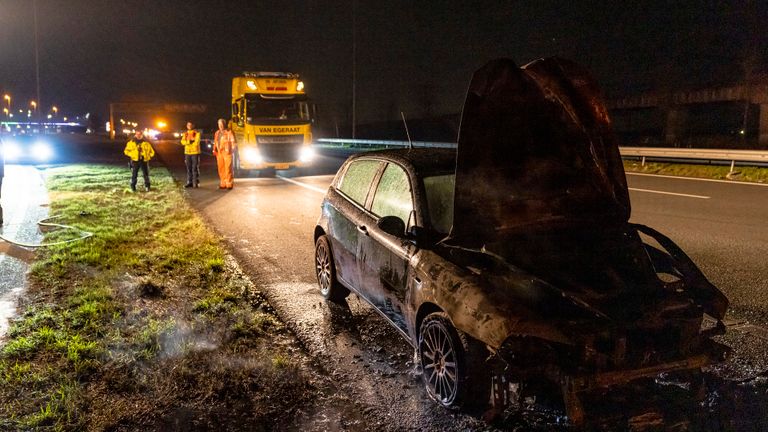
(272, 122)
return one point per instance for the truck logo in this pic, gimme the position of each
(294, 129)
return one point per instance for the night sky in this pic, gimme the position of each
(414, 56)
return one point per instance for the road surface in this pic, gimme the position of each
(268, 224)
(25, 202)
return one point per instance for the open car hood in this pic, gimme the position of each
(540, 184)
(535, 147)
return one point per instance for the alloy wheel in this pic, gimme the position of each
(438, 360)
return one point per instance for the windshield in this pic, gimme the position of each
(291, 110)
(439, 191)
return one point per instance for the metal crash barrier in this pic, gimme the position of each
(662, 154)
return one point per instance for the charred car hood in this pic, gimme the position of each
(540, 186)
(535, 145)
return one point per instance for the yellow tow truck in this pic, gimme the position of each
(272, 122)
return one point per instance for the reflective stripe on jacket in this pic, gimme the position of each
(224, 142)
(132, 150)
(191, 142)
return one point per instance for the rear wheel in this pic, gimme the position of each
(453, 364)
(325, 270)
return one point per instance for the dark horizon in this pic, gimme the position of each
(409, 58)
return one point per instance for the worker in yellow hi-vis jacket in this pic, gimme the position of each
(191, 142)
(140, 151)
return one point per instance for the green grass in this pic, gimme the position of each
(117, 312)
(748, 174)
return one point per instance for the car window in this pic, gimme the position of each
(393, 195)
(357, 179)
(439, 190)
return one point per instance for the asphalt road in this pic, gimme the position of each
(25, 202)
(722, 225)
(268, 224)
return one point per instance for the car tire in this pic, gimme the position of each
(453, 364)
(325, 270)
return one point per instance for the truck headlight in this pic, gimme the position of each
(252, 156)
(307, 154)
(41, 151)
(300, 86)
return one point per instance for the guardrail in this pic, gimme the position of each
(743, 157)
(379, 144)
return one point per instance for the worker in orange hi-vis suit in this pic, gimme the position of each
(224, 147)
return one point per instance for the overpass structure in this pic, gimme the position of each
(116, 108)
(675, 105)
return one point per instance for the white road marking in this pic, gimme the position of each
(304, 185)
(323, 191)
(670, 193)
(700, 179)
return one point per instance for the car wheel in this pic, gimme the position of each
(452, 364)
(325, 270)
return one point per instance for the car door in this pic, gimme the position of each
(384, 258)
(345, 214)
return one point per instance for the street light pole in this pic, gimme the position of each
(354, 66)
(37, 56)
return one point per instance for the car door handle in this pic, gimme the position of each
(363, 229)
(417, 282)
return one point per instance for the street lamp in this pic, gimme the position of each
(55, 110)
(33, 104)
(8, 98)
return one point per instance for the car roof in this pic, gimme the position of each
(421, 161)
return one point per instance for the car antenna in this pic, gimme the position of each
(408, 134)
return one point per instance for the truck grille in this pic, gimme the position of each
(280, 152)
(279, 139)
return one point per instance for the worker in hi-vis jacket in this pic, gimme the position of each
(191, 142)
(140, 151)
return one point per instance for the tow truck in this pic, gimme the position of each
(271, 121)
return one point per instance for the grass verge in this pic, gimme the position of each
(148, 325)
(719, 172)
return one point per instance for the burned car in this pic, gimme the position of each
(512, 259)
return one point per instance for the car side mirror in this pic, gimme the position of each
(418, 236)
(392, 225)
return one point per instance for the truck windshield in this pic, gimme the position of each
(271, 110)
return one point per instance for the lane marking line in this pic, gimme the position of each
(304, 185)
(669, 193)
(700, 179)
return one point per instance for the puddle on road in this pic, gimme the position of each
(8, 304)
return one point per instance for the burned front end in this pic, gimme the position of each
(541, 191)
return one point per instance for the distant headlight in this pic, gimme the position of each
(41, 151)
(252, 156)
(11, 151)
(307, 154)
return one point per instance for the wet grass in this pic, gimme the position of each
(747, 174)
(148, 316)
